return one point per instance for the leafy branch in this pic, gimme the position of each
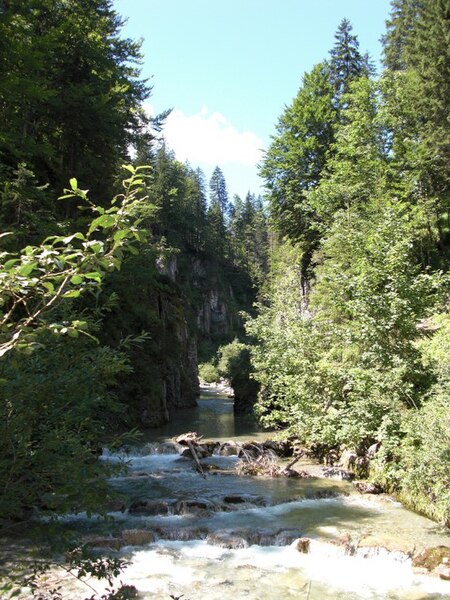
(38, 280)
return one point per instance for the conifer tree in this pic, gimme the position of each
(400, 28)
(347, 63)
(218, 191)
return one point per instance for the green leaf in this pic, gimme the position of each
(10, 263)
(72, 294)
(94, 275)
(77, 236)
(119, 235)
(76, 279)
(97, 247)
(73, 183)
(26, 269)
(104, 221)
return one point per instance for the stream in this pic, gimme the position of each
(226, 536)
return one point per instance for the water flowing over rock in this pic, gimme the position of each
(336, 473)
(435, 561)
(151, 507)
(264, 531)
(226, 539)
(365, 487)
(137, 537)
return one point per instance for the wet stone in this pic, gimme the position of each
(365, 487)
(245, 499)
(103, 542)
(229, 449)
(150, 507)
(282, 448)
(287, 537)
(137, 537)
(431, 558)
(185, 534)
(335, 473)
(198, 507)
(227, 539)
(323, 494)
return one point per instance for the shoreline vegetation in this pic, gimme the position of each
(324, 302)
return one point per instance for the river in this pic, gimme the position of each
(225, 536)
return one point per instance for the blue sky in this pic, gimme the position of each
(227, 68)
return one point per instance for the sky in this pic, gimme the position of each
(227, 69)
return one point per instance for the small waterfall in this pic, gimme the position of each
(237, 536)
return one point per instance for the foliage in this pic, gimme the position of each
(346, 64)
(297, 156)
(208, 372)
(420, 474)
(46, 579)
(231, 359)
(218, 191)
(64, 267)
(52, 364)
(344, 355)
(70, 95)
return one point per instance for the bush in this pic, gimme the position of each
(208, 373)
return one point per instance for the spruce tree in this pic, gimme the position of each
(400, 28)
(347, 63)
(218, 192)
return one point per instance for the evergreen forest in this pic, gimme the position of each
(123, 272)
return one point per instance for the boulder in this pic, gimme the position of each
(169, 448)
(281, 448)
(331, 458)
(286, 537)
(372, 450)
(443, 571)
(244, 499)
(432, 559)
(103, 542)
(229, 449)
(150, 507)
(184, 534)
(365, 487)
(226, 539)
(114, 505)
(137, 537)
(198, 507)
(346, 543)
(348, 460)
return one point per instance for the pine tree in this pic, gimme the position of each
(218, 192)
(400, 28)
(417, 46)
(347, 63)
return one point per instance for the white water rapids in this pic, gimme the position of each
(221, 548)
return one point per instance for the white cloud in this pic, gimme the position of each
(208, 137)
